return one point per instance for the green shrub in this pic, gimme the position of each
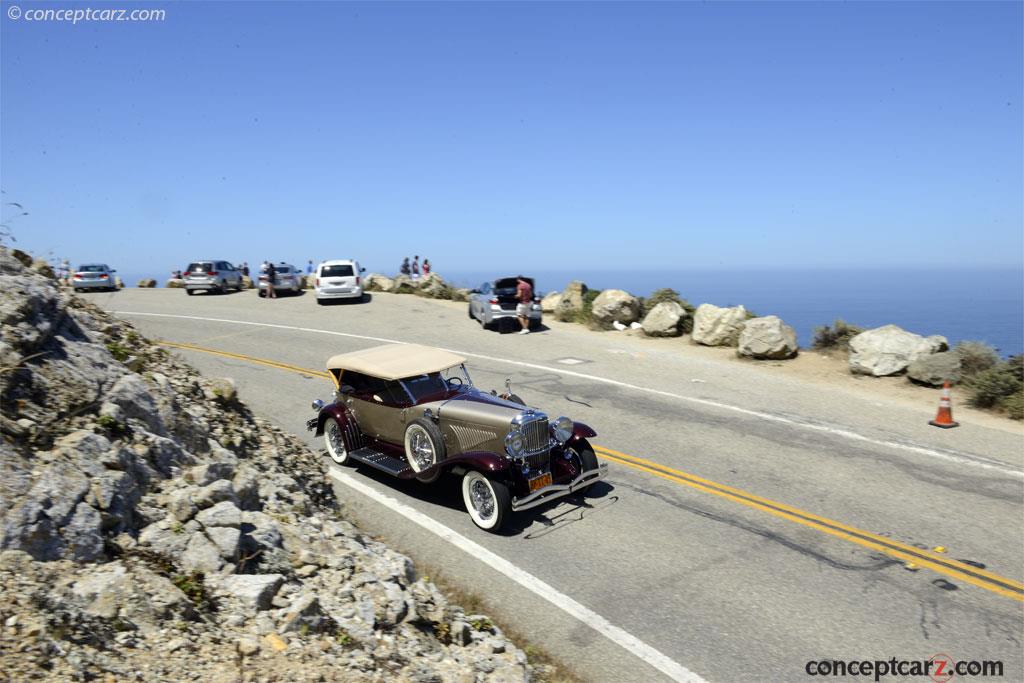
(835, 336)
(997, 386)
(118, 352)
(975, 357)
(667, 294)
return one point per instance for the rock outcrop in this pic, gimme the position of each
(767, 338)
(159, 531)
(146, 283)
(889, 350)
(615, 305)
(714, 326)
(935, 369)
(571, 301)
(178, 283)
(664, 320)
(550, 302)
(375, 282)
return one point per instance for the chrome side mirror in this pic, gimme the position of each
(317, 405)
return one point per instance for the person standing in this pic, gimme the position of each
(426, 267)
(309, 267)
(271, 279)
(405, 270)
(524, 294)
(415, 267)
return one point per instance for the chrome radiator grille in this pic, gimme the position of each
(535, 434)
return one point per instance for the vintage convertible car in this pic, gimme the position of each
(412, 411)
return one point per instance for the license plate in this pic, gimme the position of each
(540, 482)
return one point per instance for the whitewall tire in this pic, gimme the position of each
(487, 502)
(334, 439)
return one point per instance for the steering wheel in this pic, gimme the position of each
(457, 381)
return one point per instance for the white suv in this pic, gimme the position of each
(338, 279)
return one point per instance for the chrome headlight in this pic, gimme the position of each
(317, 405)
(515, 444)
(561, 428)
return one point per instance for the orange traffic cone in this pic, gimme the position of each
(944, 418)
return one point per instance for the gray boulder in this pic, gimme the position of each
(714, 326)
(767, 338)
(224, 513)
(550, 302)
(615, 304)
(664, 320)
(936, 369)
(175, 283)
(888, 350)
(201, 555)
(147, 283)
(254, 591)
(571, 302)
(132, 395)
(375, 282)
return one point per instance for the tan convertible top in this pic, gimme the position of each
(395, 361)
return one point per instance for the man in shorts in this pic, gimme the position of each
(524, 294)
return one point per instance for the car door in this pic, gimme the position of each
(379, 407)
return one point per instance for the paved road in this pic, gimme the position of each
(750, 522)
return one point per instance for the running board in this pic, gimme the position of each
(379, 460)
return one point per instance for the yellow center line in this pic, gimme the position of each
(887, 546)
(248, 359)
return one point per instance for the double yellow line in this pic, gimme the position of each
(906, 553)
(909, 554)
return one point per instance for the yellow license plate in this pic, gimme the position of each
(540, 482)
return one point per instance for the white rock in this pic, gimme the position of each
(714, 326)
(550, 302)
(615, 305)
(888, 350)
(255, 591)
(224, 513)
(767, 338)
(664, 320)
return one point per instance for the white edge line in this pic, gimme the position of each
(976, 461)
(622, 638)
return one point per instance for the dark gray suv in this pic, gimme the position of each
(213, 276)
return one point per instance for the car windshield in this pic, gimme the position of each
(199, 267)
(283, 269)
(434, 384)
(336, 271)
(91, 269)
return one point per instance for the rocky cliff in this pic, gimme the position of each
(154, 529)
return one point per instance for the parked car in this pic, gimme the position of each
(287, 278)
(494, 302)
(338, 279)
(94, 276)
(212, 275)
(412, 411)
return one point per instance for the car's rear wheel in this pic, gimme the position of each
(424, 448)
(471, 316)
(488, 502)
(190, 292)
(334, 439)
(583, 458)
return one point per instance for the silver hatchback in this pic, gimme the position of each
(212, 275)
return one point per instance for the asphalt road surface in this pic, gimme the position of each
(750, 522)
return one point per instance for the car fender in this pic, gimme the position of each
(581, 431)
(339, 413)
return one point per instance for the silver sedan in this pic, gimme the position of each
(494, 302)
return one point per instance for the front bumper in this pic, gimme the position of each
(92, 284)
(549, 493)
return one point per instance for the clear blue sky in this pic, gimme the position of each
(630, 135)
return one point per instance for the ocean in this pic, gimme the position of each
(961, 304)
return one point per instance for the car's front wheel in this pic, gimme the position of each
(582, 456)
(488, 502)
(334, 439)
